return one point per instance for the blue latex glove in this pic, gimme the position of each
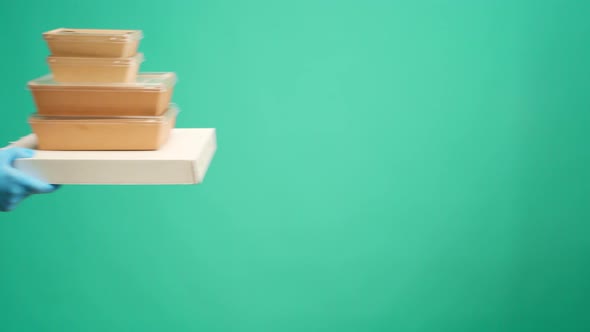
(16, 185)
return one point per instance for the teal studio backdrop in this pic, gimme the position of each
(382, 166)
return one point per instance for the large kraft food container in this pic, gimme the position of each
(93, 42)
(103, 133)
(95, 70)
(149, 95)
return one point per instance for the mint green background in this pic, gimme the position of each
(383, 166)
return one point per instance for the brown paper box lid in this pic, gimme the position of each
(146, 81)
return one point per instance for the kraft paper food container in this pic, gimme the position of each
(95, 70)
(103, 133)
(149, 95)
(93, 42)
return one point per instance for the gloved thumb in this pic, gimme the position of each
(8, 156)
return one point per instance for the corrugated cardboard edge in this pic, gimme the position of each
(28, 142)
(201, 165)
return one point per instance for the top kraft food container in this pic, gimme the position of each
(149, 95)
(93, 42)
(95, 70)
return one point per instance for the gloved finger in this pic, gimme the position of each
(8, 156)
(4, 207)
(12, 202)
(33, 185)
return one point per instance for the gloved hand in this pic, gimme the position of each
(16, 185)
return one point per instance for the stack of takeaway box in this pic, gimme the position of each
(100, 120)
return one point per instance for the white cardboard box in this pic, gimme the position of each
(184, 159)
